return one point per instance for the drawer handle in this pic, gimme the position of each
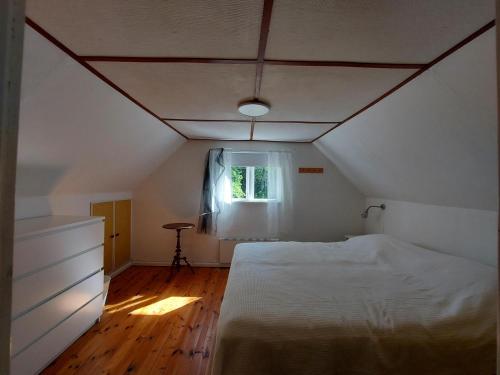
(117, 234)
(112, 236)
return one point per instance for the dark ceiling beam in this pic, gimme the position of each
(203, 60)
(208, 60)
(73, 55)
(441, 57)
(265, 24)
(203, 120)
(347, 64)
(244, 140)
(298, 122)
(257, 121)
(252, 129)
(152, 59)
(260, 62)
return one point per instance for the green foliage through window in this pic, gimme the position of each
(260, 183)
(239, 178)
(255, 188)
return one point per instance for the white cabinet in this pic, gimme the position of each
(57, 287)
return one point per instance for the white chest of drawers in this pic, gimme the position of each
(57, 287)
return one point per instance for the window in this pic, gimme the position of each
(249, 183)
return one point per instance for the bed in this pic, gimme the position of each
(369, 305)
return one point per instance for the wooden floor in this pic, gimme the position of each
(150, 326)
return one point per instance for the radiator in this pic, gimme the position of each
(226, 246)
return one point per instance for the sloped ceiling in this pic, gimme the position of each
(77, 134)
(434, 140)
(315, 62)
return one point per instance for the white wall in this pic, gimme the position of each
(434, 140)
(327, 206)
(459, 231)
(79, 139)
(63, 204)
(429, 151)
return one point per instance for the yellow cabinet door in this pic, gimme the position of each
(106, 209)
(123, 210)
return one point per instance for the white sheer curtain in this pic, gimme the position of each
(280, 194)
(252, 219)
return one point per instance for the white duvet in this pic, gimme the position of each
(370, 305)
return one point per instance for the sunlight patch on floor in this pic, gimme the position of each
(165, 306)
(131, 302)
(112, 306)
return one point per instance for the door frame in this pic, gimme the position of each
(498, 179)
(11, 51)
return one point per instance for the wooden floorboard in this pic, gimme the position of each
(150, 326)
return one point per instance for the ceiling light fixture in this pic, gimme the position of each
(253, 108)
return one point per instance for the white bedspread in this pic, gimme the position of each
(370, 305)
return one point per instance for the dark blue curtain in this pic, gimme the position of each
(209, 206)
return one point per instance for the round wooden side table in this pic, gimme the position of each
(176, 261)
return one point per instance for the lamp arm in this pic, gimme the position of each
(364, 214)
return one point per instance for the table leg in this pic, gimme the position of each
(176, 262)
(172, 270)
(188, 264)
(178, 251)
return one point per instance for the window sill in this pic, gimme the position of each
(253, 200)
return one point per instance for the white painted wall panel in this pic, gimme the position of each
(434, 140)
(326, 206)
(77, 135)
(226, 250)
(63, 204)
(429, 151)
(464, 232)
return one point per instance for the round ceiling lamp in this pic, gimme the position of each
(253, 108)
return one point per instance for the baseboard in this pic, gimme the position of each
(121, 269)
(167, 264)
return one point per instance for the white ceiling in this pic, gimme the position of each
(287, 132)
(324, 93)
(180, 90)
(214, 130)
(194, 28)
(435, 142)
(402, 31)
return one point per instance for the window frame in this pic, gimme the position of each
(249, 187)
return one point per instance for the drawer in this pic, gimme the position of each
(29, 291)
(29, 327)
(39, 251)
(38, 355)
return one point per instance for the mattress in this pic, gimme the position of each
(369, 305)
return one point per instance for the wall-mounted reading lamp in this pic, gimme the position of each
(364, 214)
